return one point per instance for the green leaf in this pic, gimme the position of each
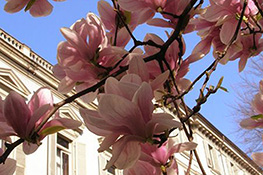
(29, 5)
(51, 130)
(256, 117)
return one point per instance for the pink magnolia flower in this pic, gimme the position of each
(171, 56)
(255, 122)
(85, 57)
(113, 22)
(163, 157)
(252, 46)
(125, 123)
(139, 5)
(175, 8)
(20, 119)
(217, 26)
(226, 13)
(9, 167)
(131, 82)
(258, 157)
(142, 168)
(39, 7)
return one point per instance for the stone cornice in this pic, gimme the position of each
(202, 125)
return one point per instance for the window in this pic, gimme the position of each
(111, 170)
(63, 156)
(212, 157)
(103, 159)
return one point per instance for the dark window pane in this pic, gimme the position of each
(63, 142)
(65, 164)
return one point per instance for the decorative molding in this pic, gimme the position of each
(11, 81)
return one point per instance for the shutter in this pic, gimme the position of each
(20, 161)
(208, 155)
(51, 154)
(81, 159)
(216, 160)
(102, 164)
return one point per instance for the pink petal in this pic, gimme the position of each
(250, 123)
(29, 148)
(227, 31)
(141, 168)
(81, 28)
(132, 5)
(160, 23)
(258, 158)
(186, 146)
(96, 124)
(242, 62)
(40, 98)
(160, 80)
(8, 168)
(118, 111)
(58, 124)
(66, 85)
(214, 12)
(125, 152)
(13, 6)
(143, 98)
(97, 33)
(76, 41)
(17, 113)
(39, 113)
(161, 122)
(109, 56)
(2, 118)
(67, 54)
(111, 86)
(160, 155)
(108, 141)
(41, 8)
(261, 87)
(138, 66)
(128, 89)
(125, 88)
(107, 14)
(144, 16)
(149, 49)
(58, 71)
(132, 78)
(257, 103)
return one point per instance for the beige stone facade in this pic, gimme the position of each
(75, 152)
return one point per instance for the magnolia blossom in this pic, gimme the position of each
(86, 56)
(112, 22)
(126, 122)
(139, 5)
(217, 26)
(39, 7)
(258, 157)
(179, 67)
(9, 167)
(256, 121)
(257, 105)
(20, 119)
(156, 159)
(141, 168)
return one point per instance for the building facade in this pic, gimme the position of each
(75, 152)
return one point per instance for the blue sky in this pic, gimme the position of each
(42, 35)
